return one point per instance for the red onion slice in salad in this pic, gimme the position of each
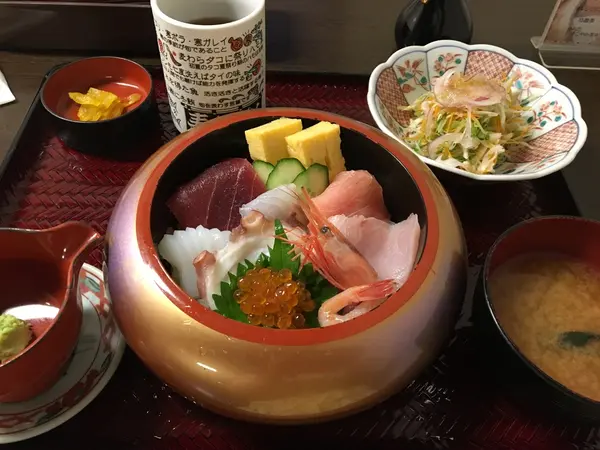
(454, 90)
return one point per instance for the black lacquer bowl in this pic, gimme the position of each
(527, 383)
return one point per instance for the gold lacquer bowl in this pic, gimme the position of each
(283, 376)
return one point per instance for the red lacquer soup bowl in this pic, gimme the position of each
(38, 272)
(283, 376)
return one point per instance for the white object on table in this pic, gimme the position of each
(6, 96)
(571, 38)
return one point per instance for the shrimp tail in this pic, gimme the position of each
(378, 289)
(366, 298)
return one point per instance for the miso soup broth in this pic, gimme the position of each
(537, 298)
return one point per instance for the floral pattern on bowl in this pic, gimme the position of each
(559, 131)
(94, 361)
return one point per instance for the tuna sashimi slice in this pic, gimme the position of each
(353, 193)
(213, 199)
(390, 248)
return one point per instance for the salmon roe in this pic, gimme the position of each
(273, 299)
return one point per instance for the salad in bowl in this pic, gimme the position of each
(477, 111)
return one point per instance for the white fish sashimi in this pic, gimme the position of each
(181, 247)
(279, 203)
(390, 248)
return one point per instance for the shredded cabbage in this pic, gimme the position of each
(467, 122)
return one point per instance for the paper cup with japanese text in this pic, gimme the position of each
(213, 56)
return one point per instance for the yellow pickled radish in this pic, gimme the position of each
(97, 104)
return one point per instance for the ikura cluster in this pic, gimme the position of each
(273, 299)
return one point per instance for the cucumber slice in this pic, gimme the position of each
(285, 172)
(263, 169)
(315, 179)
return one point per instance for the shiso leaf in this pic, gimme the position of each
(282, 254)
(263, 260)
(225, 303)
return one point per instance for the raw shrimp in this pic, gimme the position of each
(329, 251)
(364, 299)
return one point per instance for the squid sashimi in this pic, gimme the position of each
(213, 199)
(181, 247)
(355, 192)
(391, 249)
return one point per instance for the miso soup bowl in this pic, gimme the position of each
(572, 236)
(283, 376)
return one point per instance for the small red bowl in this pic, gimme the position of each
(120, 76)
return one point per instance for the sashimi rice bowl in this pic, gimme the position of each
(285, 265)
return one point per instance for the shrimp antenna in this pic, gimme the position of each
(288, 191)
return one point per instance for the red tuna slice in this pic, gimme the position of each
(213, 199)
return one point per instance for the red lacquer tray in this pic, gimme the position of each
(453, 405)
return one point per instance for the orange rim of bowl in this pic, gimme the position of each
(268, 336)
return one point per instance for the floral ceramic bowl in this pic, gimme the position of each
(558, 133)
